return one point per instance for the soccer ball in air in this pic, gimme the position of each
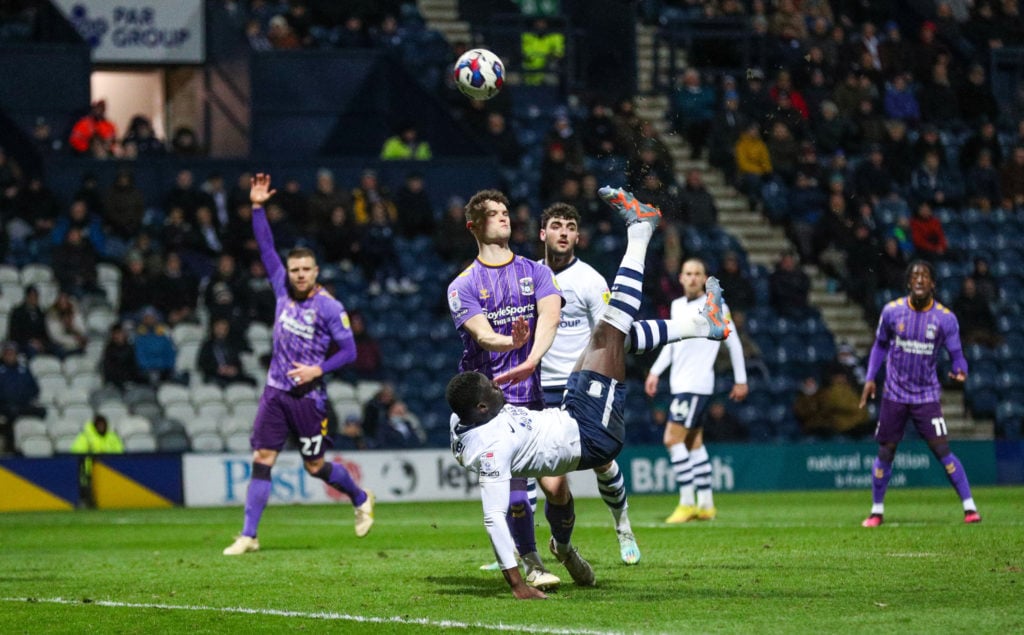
(479, 74)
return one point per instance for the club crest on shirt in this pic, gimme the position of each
(929, 333)
(487, 464)
(309, 316)
(484, 293)
(526, 285)
(454, 303)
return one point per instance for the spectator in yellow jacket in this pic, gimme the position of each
(753, 163)
(96, 437)
(405, 146)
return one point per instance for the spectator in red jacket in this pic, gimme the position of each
(94, 134)
(926, 233)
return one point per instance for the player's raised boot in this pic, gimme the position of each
(537, 574)
(874, 520)
(629, 551)
(629, 208)
(707, 513)
(713, 310)
(364, 515)
(682, 514)
(242, 544)
(972, 516)
(580, 570)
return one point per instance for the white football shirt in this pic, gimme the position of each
(517, 442)
(693, 360)
(586, 295)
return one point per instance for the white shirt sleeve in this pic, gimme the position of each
(495, 495)
(663, 361)
(739, 364)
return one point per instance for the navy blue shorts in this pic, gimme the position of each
(553, 396)
(686, 409)
(596, 403)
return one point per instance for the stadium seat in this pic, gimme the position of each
(45, 365)
(184, 332)
(240, 393)
(90, 380)
(78, 412)
(98, 321)
(346, 408)
(63, 443)
(207, 442)
(72, 395)
(36, 446)
(182, 411)
(36, 274)
(982, 402)
(140, 442)
(75, 364)
(212, 410)
(238, 442)
(187, 356)
(366, 389)
(233, 424)
(151, 411)
(133, 424)
(114, 411)
(26, 427)
(138, 393)
(172, 441)
(9, 274)
(341, 390)
(168, 393)
(206, 393)
(107, 272)
(245, 410)
(60, 426)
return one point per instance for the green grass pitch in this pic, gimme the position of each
(771, 563)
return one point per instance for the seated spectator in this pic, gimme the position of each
(155, 353)
(262, 301)
(898, 151)
(833, 410)
(368, 192)
(66, 327)
(225, 296)
(862, 263)
(935, 184)
(720, 425)
(36, 210)
(176, 291)
(599, 134)
(983, 183)
(741, 291)
(928, 141)
(692, 109)
(415, 212)
(927, 234)
(753, 163)
(27, 326)
(388, 423)
(18, 392)
(89, 224)
(872, 179)
(869, 126)
(74, 265)
(137, 288)
(807, 205)
(542, 52)
(645, 162)
(977, 322)
(96, 437)
(453, 243)
(281, 35)
(141, 140)
(985, 138)
(789, 287)
(892, 266)
(697, 205)
(378, 256)
(1011, 177)
(322, 201)
(119, 365)
(124, 206)
(405, 145)
(185, 143)
(900, 102)
(726, 126)
(94, 135)
(368, 362)
(831, 131)
(340, 240)
(220, 359)
(984, 282)
(351, 435)
(938, 98)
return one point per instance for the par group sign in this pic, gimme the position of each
(140, 31)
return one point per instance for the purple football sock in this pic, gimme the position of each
(562, 519)
(335, 475)
(256, 497)
(957, 476)
(880, 474)
(520, 517)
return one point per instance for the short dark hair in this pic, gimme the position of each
(923, 263)
(300, 252)
(559, 210)
(463, 393)
(476, 208)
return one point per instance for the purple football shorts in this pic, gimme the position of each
(280, 413)
(893, 417)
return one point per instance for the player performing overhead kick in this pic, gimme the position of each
(500, 441)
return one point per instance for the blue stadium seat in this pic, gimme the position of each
(982, 402)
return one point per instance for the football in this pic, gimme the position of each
(479, 74)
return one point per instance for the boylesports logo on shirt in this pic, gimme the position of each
(506, 314)
(914, 347)
(295, 327)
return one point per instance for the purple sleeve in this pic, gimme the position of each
(342, 336)
(878, 349)
(546, 283)
(461, 302)
(268, 253)
(953, 345)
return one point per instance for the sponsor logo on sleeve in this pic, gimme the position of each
(454, 303)
(345, 321)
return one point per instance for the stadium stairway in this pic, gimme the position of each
(443, 15)
(763, 241)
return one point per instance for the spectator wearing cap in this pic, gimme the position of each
(155, 353)
(94, 135)
(755, 102)
(368, 192)
(18, 391)
(693, 107)
(141, 140)
(784, 150)
(405, 145)
(220, 357)
(830, 130)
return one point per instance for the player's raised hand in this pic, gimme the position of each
(260, 192)
(520, 332)
(959, 376)
(867, 393)
(517, 374)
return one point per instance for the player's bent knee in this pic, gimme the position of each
(313, 465)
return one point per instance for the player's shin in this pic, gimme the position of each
(562, 519)
(338, 477)
(256, 498)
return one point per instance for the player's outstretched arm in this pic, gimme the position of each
(520, 588)
(867, 393)
(482, 333)
(260, 191)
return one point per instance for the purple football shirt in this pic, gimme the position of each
(910, 341)
(303, 330)
(502, 293)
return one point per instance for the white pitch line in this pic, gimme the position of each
(322, 615)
